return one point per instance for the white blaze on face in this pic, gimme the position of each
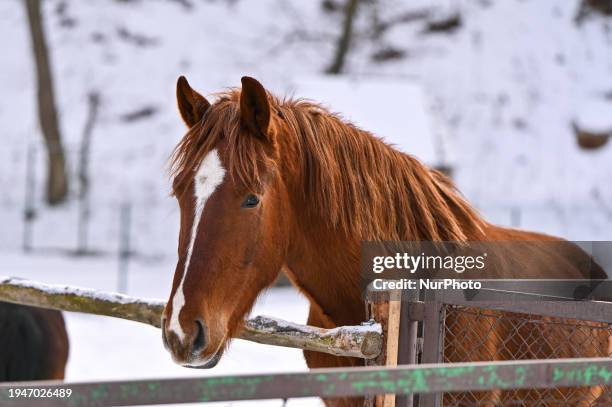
(208, 177)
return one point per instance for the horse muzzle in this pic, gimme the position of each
(187, 349)
(206, 363)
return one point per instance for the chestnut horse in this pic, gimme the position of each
(265, 185)
(33, 343)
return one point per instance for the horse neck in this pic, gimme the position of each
(412, 204)
(322, 261)
(324, 264)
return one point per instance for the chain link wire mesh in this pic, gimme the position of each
(474, 335)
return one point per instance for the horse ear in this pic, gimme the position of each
(254, 107)
(191, 104)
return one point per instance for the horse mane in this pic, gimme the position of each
(358, 183)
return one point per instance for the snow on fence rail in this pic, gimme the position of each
(362, 341)
(355, 381)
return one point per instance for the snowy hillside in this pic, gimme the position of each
(505, 88)
(506, 85)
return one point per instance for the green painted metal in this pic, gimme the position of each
(327, 383)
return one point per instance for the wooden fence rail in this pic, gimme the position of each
(362, 341)
(354, 381)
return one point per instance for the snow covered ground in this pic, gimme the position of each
(104, 348)
(505, 88)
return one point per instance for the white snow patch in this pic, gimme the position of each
(369, 326)
(60, 289)
(594, 115)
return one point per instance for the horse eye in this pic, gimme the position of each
(251, 201)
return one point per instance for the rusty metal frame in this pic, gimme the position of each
(530, 303)
(411, 314)
(430, 310)
(351, 382)
(433, 339)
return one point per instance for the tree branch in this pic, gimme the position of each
(364, 341)
(344, 40)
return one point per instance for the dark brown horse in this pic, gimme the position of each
(266, 185)
(33, 343)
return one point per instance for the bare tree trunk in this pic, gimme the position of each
(57, 181)
(344, 40)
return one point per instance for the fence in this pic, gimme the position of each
(356, 381)
(362, 341)
(448, 327)
(431, 331)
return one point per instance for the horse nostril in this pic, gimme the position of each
(199, 342)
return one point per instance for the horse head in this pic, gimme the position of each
(233, 211)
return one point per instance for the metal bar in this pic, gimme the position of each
(29, 209)
(125, 221)
(433, 340)
(528, 303)
(570, 290)
(408, 340)
(370, 312)
(356, 381)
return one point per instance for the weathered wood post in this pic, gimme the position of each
(385, 308)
